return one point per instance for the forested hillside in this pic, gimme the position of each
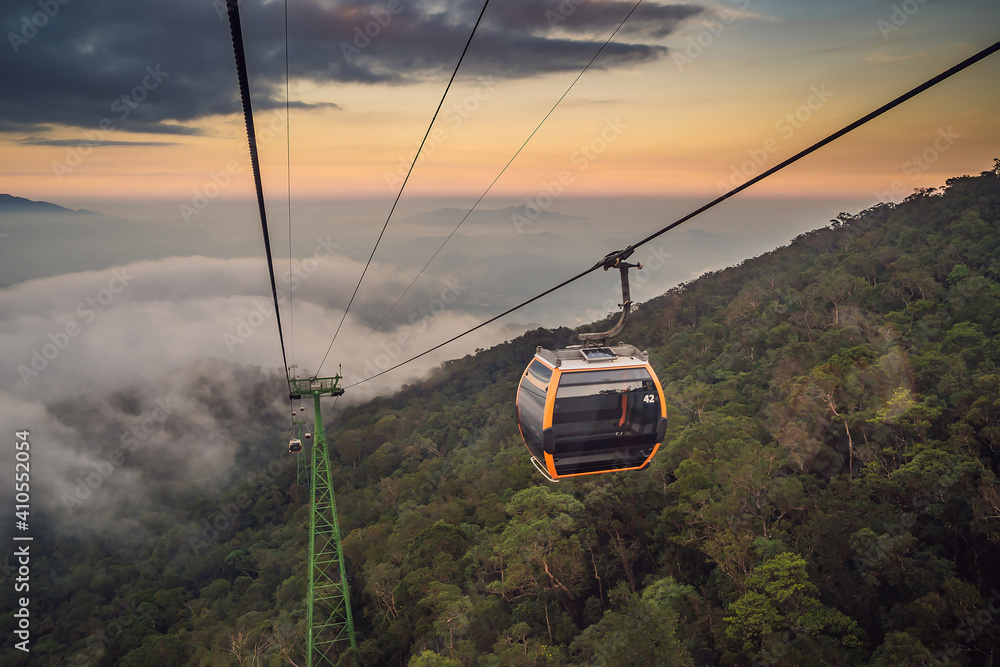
(827, 492)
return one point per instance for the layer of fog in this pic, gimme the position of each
(89, 356)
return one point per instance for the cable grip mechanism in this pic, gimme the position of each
(615, 260)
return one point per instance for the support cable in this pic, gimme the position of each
(823, 142)
(241, 72)
(624, 254)
(490, 187)
(288, 190)
(403, 186)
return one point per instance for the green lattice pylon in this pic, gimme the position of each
(302, 466)
(328, 601)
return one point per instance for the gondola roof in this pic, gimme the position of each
(580, 357)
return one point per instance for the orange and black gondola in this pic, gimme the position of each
(583, 411)
(592, 408)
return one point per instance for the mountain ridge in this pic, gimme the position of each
(12, 204)
(831, 466)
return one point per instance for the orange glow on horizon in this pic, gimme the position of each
(652, 132)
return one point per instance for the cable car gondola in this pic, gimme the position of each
(592, 408)
(294, 446)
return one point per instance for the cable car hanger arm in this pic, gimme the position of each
(988, 51)
(614, 260)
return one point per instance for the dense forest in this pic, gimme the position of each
(827, 492)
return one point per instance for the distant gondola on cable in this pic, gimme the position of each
(295, 445)
(592, 408)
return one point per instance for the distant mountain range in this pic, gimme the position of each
(12, 204)
(52, 240)
(503, 215)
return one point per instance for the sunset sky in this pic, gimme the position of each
(114, 100)
(131, 110)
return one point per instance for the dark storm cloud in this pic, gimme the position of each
(508, 55)
(134, 64)
(161, 67)
(594, 17)
(35, 141)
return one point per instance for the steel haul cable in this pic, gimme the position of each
(288, 188)
(405, 180)
(241, 73)
(490, 187)
(988, 51)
